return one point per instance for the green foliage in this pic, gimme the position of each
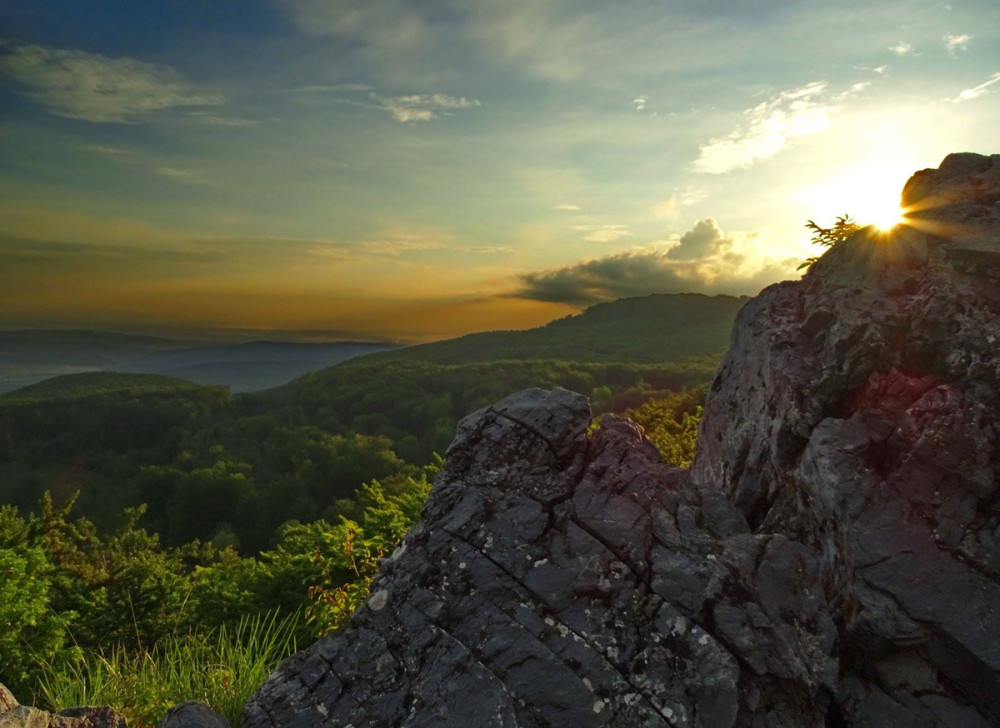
(221, 667)
(350, 555)
(842, 229)
(31, 633)
(671, 423)
(231, 470)
(123, 588)
(150, 619)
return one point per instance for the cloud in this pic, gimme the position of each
(97, 88)
(603, 233)
(902, 48)
(703, 260)
(386, 24)
(639, 273)
(104, 149)
(977, 91)
(403, 108)
(954, 43)
(568, 208)
(640, 102)
(181, 175)
(877, 69)
(671, 207)
(666, 209)
(551, 40)
(394, 244)
(422, 107)
(483, 249)
(770, 126)
(224, 121)
(703, 240)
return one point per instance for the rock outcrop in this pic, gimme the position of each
(831, 559)
(14, 715)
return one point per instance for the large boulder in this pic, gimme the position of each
(832, 557)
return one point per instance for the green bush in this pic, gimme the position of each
(31, 633)
(671, 423)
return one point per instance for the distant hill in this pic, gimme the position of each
(251, 366)
(31, 356)
(649, 329)
(88, 384)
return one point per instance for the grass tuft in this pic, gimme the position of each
(221, 667)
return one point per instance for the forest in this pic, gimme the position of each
(153, 527)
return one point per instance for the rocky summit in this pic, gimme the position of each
(831, 559)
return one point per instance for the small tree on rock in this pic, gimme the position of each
(842, 229)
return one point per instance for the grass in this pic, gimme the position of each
(221, 667)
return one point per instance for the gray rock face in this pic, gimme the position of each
(831, 559)
(192, 714)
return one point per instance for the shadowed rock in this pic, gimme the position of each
(192, 714)
(832, 558)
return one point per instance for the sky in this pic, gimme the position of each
(400, 170)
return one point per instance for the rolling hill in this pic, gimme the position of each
(250, 366)
(647, 329)
(31, 356)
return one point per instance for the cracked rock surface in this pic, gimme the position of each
(831, 559)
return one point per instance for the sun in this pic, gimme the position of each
(869, 193)
(885, 219)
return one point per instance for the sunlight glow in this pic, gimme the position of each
(868, 193)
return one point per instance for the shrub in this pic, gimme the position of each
(842, 229)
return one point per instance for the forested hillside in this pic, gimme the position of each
(215, 466)
(648, 329)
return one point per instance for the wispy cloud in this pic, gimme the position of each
(877, 69)
(422, 107)
(672, 206)
(770, 126)
(483, 249)
(394, 244)
(568, 208)
(902, 48)
(98, 88)
(181, 175)
(385, 24)
(977, 91)
(104, 149)
(955, 43)
(404, 108)
(223, 121)
(603, 233)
